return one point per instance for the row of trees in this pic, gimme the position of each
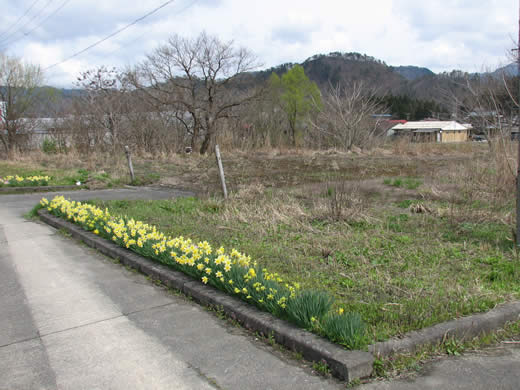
(186, 92)
(191, 91)
(406, 107)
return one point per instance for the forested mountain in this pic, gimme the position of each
(345, 68)
(412, 72)
(408, 89)
(410, 81)
(413, 89)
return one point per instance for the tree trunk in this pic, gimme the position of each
(205, 144)
(4, 142)
(293, 133)
(11, 144)
(210, 129)
(11, 148)
(195, 135)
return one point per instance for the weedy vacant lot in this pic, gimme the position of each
(406, 237)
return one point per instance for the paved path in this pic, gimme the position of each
(493, 368)
(71, 319)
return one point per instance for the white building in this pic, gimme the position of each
(433, 131)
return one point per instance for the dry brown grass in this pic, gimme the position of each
(252, 205)
(477, 190)
(404, 147)
(404, 256)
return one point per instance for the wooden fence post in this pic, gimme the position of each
(130, 166)
(221, 171)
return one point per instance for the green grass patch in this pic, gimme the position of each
(401, 272)
(404, 204)
(61, 176)
(231, 272)
(410, 183)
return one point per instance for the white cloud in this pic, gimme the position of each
(441, 35)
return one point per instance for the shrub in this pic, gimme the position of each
(49, 146)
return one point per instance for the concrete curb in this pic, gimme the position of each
(465, 328)
(346, 365)
(41, 189)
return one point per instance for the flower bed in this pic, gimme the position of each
(233, 272)
(28, 181)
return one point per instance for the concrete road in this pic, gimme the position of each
(71, 319)
(493, 368)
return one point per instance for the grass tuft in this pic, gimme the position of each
(308, 307)
(347, 329)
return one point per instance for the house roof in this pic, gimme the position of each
(425, 130)
(440, 125)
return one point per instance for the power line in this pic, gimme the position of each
(39, 24)
(147, 33)
(111, 35)
(26, 23)
(20, 18)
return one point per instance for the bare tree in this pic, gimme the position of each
(105, 101)
(192, 77)
(488, 106)
(19, 84)
(347, 115)
(260, 122)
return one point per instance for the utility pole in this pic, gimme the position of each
(518, 137)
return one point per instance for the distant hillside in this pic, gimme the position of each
(54, 102)
(345, 68)
(412, 72)
(508, 70)
(395, 82)
(350, 67)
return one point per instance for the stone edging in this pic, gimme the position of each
(41, 188)
(346, 365)
(464, 328)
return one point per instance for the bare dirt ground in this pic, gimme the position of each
(273, 170)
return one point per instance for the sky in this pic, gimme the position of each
(442, 35)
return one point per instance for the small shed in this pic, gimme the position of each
(433, 131)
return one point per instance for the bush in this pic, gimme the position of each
(49, 146)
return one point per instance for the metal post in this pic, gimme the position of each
(130, 166)
(221, 171)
